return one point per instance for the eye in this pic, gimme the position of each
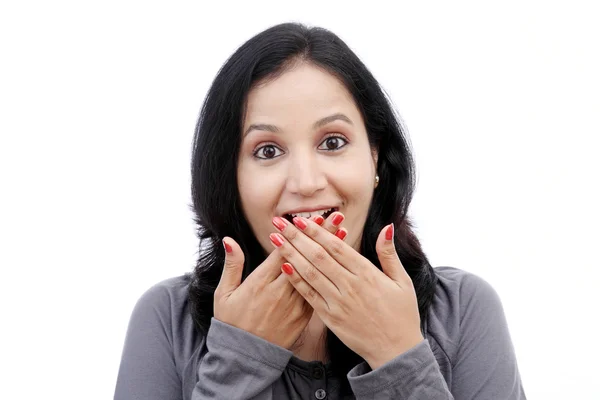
(333, 143)
(267, 152)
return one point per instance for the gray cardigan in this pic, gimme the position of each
(467, 354)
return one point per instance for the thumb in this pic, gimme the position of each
(231, 277)
(388, 257)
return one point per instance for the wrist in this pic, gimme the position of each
(378, 360)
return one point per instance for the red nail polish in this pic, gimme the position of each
(287, 268)
(276, 239)
(341, 233)
(299, 222)
(337, 219)
(319, 220)
(227, 246)
(279, 223)
(389, 233)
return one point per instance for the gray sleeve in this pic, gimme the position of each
(484, 366)
(412, 375)
(238, 365)
(147, 370)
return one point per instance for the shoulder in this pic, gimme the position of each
(466, 293)
(461, 287)
(163, 311)
(165, 297)
(461, 302)
(164, 308)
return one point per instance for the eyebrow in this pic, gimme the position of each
(320, 123)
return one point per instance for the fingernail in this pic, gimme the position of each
(341, 233)
(319, 220)
(276, 239)
(227, 246)
(287, 268)
(389, 234)
(279, 223)
(337, 219)
(299, 222)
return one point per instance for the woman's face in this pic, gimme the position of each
(304, 149)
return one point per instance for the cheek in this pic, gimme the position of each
(356, 171)
(257, 192)
(357, 184)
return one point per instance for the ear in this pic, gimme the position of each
(375, 155)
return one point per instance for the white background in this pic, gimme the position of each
(98, 103)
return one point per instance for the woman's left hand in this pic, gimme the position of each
(374, 313)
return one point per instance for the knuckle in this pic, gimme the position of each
(312, 274)
(255, 290)
(369, 281)
(296, 312)
(286, 252)
(353, 291)
(295, 280)
(389, 253)
(336, 247)
(335, 317)
(328, 226)
(292, 234)
(313, 232)
(310, 294)
(319, 255)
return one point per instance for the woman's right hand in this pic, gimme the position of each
(265, 304)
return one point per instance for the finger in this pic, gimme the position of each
(282, 283)
(317, 219)
(333, 222)
(270, 269)
(337, 250)
(327, 224)
(388, 256)
(312, 297)
(311, 274)
(231, 276)
(341, 233)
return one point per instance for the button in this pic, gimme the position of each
(317, 373)
(320, 394)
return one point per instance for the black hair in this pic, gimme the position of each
(215, 196)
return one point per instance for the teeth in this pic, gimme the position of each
(312, 213)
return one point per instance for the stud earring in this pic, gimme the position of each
(376, 180)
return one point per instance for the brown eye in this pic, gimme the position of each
(267, 152)
(333, 143)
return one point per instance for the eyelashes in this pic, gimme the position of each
(332, 140)
(267, 152)
(271, 151)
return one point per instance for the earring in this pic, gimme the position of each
(376, 180)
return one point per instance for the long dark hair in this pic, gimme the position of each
(215, 196)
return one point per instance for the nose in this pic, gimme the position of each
(305, 176)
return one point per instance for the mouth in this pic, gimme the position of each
(325, 212)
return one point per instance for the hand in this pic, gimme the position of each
(374, 313)
(265, 304)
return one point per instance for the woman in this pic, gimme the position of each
(310, 281)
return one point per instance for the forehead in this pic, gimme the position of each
(304, 94)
